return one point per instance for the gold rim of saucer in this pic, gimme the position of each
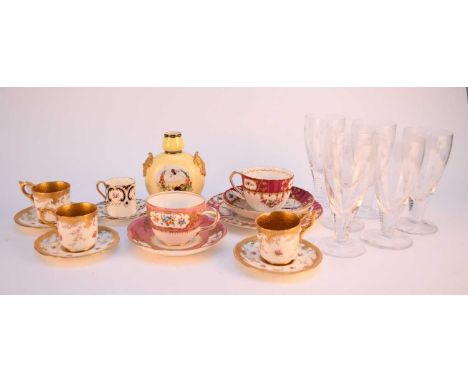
(115, 241)
(240, 258)
(16, 218)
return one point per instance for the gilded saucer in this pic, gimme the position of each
(247, 252)
(140, 233)
(102, 211)
(48, 244)
(28, 218)
(300, 201)
(232, 218)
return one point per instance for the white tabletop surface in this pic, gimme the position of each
(83, 135)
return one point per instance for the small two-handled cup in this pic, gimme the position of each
(46, 195)
(279, 234)
(76, 224)
(119, 195)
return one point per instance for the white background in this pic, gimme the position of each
(249, 43)
(82, 135)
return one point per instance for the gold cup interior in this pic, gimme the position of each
(76, 209)
(50, 187)
(278, 220)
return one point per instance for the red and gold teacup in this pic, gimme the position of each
(177, 216)
(264, 188)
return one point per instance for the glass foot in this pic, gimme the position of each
(416, 228)
(349, 248)
(368, 213)
(375, 238)
(327, 221)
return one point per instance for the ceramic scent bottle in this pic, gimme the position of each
(173, 169)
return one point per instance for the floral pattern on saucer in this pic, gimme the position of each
(300, 202)
(229, 216)
(49, 245)
(102, 211)
(140, 233)
(247, 252)
(28, 218)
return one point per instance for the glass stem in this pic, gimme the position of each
(388, 223)
(320, 188)
(417, 209)
(342, 225)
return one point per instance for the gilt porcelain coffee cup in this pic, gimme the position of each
(177, 216)
(279, 234)
(50, 195)
(77, 225)
(264, 188)
(119, 195)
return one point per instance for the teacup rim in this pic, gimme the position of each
(67, 187)
(264, 168)
(202, 203)
(277, 230)
(129, 178)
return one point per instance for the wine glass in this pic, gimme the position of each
(436, 155)
(348, 160)
(397, 164)
(369, 208)
(315, 128)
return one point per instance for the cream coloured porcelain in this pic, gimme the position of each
(119, 196)
(77, 225)
(46, 196)
(279, 234)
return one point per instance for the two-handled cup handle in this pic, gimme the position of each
(239, 191)
(307, 221)
(43, 212)
(99, 190)
(23, 186)
(214, 214)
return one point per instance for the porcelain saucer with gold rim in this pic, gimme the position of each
(49, 245)
(247, 252)
(229, 216)
(140, 211)
(28, 218)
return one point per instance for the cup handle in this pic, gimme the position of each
(23, 186)
(42, 212)
(307, 221)
(239, 191)
(99, 190)
(213, 213)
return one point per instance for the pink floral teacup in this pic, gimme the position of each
(264, 189)
(176, 216)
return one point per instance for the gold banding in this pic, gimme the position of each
(278, 220)
(76, 210)
(51, 187)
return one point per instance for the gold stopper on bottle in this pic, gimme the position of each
(173, 142)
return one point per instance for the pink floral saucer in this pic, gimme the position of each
(229, 216)
(300, 201)
(140, 233)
